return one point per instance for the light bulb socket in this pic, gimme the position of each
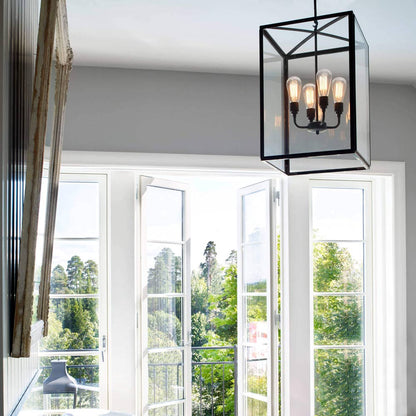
(294, 108)
(310, 113)
(338, 108)
(323, 102)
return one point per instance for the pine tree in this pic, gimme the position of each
(210, 269)
(59, 280)
(90, 277)
(74, 271)
(166, 273)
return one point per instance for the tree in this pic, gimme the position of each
(199, 330)
(73, 323)
(59, 280)
(223, 315)
(74, 271)
(334, 269)
(209, 268)
(166, 274)
(232, 258)
(225, 304)
(199, 298)
(337, 321)
(90, 277)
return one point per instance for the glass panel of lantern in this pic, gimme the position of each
(296, 139)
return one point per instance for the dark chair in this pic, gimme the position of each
(60, 381)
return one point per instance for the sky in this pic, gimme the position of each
(213, 217)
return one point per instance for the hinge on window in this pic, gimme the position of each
(277, 320)
(276, 197)
(137, 192)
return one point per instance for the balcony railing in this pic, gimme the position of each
(214, 371)
(213, 381)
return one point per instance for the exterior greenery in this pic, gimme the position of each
(339, 373)
(338, 321)
(73, 325)
(214, 324)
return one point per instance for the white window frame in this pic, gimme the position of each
(388, 181)
(271, 190)
(389, 268)
(77, 175)
(143, 182)
(368, 284)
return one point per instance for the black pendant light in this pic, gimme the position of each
(314, 93)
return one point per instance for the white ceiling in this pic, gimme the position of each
(222, 35)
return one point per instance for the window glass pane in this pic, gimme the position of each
(164, 268)
(255, 267)
(75, 275)
(338, 320)
(256, 407)
(163, 214)
(338, 267)
(256, 369)
(339, 382)
(172, 410)
(165, 376)
(85, 370)
(72, 325)
(337, 214)
(77, 212)
(164, 322)
(256, 319)
(76, 257)
(254, 216)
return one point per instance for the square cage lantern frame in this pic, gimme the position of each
(286, 156)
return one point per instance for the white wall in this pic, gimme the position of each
(393, 110)
(179, 112)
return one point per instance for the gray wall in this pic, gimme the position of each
(158, 111)
(174, 112)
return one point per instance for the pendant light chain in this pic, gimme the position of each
(315, 28)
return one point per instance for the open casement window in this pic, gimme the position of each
(258, 301)
(165, 299)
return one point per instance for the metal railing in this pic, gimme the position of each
(87, 377)
(214, 386)
(214, 390)
(213, 383)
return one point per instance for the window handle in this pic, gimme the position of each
(188, 340)
(103, 346)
